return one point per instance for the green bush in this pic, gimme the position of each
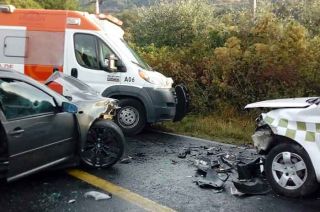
(226, 58)
(23, 3)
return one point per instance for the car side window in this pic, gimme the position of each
(86, 50)
(19, 99)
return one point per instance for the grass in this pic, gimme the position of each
(236, 129)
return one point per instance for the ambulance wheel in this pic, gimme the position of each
(131, 117)
(289, 171)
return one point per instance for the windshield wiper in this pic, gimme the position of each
(141, 66)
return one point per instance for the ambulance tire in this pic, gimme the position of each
(288, 155)
(131, 117)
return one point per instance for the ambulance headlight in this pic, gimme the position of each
(144, 75)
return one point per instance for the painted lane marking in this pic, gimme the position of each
(118, 191)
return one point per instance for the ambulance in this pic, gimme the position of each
(89, 47)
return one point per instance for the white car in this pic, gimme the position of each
(289, 136)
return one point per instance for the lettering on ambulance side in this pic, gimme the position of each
(129, 79)
(111, 78)
(6, 65)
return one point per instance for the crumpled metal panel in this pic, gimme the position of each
(89, 112)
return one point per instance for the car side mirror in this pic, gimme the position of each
(69, 107)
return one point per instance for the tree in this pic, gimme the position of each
(173, 23)
(59, 4)
(23, 3)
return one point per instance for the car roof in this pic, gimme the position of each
(12, 74)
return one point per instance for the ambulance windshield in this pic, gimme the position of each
(138, 60)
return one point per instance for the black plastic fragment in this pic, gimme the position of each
(211, 180)
(249, 170)
(203, 164)
(224, 167)
(256, 186)
(183, 153)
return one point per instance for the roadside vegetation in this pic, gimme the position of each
(233, 130)
(226, 56)
(229, 58)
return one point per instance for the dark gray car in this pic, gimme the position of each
(41, 128)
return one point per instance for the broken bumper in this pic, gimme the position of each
(262, 140)
(183, 102)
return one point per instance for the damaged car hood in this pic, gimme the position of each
(284, 103)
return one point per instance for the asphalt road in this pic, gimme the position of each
(155, 173)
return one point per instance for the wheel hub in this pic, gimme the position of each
(101, 148)
(289, 170)
(128, 117)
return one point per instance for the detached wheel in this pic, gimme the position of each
(104, 146)
(289, 171)
(131, 117)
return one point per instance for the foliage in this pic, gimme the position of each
(234, 129)
(227, 58)
(46, 4)
(23, 3)
(173, 24)
(59, 4)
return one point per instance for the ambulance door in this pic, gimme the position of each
(88, 59)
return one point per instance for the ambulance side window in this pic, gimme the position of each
(86, 51)
(104, 51)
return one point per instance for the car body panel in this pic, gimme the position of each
(301, 125)
(47, 139)
(91, 104)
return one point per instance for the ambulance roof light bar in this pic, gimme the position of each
(110, 18)
(7, 8)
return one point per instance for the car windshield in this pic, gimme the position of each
(70, 84)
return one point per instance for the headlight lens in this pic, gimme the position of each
(144, 75)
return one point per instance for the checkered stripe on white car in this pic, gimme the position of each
(296, 130)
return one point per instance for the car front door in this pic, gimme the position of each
(39, 134)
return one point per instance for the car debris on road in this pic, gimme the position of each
(126, 160)
(71, 201)
(97, 195)
(217, 166)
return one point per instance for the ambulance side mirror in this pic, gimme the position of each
(109, 63)
(113, 64)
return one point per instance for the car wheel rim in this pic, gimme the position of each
(289, 170)
(128, 117)
(101, 148)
